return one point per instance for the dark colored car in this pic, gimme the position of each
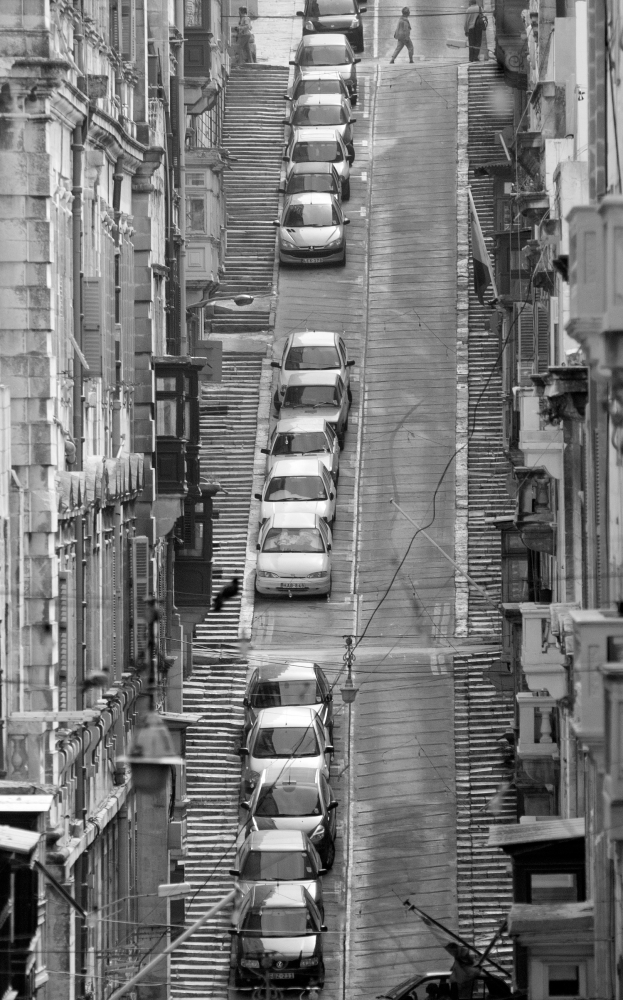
(319, 55)
(343, 16)
(295, 797)
(437, 986)
(283, 921)
(299, 682)
(321, 177)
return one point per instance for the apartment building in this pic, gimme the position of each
(105, 522)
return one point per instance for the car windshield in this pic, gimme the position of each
(299, 183)
(318, 87)
(275, 865)
(302, 359)
(311, 395)
(320, 114)
(300, 444)
(279, 923)
(316, 216)
(289, 799)
(290, 741)
(281, 489)
(324, 55)
(317, 152)
(293, 540)
(273, 694)
(328, 8)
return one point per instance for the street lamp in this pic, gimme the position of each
(349, 691)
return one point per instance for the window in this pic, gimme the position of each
(195, 180)
(196, 214)
(194, 14)
(563, 980)
(553, 887)
(311, 358)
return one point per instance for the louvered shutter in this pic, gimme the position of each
(141, 590)
(526, 348)
(128, 31)
(175, 129)
(108, 314)
(542, 314)
(92, 325)
(599, 488)
(127, 311)
(63, 640)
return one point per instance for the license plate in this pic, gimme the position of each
(282, 975)
(310, 260)
(293, 586)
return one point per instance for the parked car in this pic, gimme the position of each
(319, 145)
(321, 177)
(284, 921)
(312, 350)
(295, 797)
(324, 111)
(298, 682)
(282, 734)
(298, 486)
(279, 856)
(305, 436)
(294, 555)
(331, 51)
(326, 81)
(414, 988)
(320, 393)
(336, 16)
(311, 230)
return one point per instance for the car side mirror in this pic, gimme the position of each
(291, 62)
(234, 872)
(275, 364)
(362, 10)
(276, 222)
(243, 752)
(323, 928)
(357, 60)
(332, 496)
(286, 97)
(352, 121)
(233, 930)
(350, 158)
(280, 189)
(322, 871)
(246, 806)
(285, 121)
(329, 547)
(329, 748)
(333, 804)
(258, 496)
(349, 364)
(284, 157)
(346, 221)
(258, 547)
(265, 451)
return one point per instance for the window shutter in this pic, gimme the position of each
(63, 640)
(141, 591)
(525, 344)
(542, 338)
(127, 310)
(108, 318)
(92, 330)
(128, 32)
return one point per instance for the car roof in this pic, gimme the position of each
(301, 466)
(277, 840)
(315, 167)
(290, 425)
(327, 74)
(278, 773)
(283, 519)
(318, 100)
(288, 715)
(295, 670)
(314, 41)
(311, 198)
(329, 377)
(281, 894)
(313, 338)
(321, 133)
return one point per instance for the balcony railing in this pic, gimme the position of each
(538, 725)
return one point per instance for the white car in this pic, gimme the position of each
(294, 555)
(269, 856)
(305, 437)
(322, 394)
(312, 350)
(325, 81)
(311, 230)
(326, 53)
(322, 111)
(320, 145)
(282, 734)
(298, 486)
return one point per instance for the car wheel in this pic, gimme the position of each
(359, 42)
(330, 856)
(277, 402)
(346, 190)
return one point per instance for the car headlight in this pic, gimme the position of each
(286, 238)
(317, 576)
(310, 26)
(318, 834)
(265, 573)
(335, 243)
(306, 962)
(250, 963)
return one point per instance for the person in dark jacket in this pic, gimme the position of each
(402, 35)
(474, 24)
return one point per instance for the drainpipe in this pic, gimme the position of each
(179, 82)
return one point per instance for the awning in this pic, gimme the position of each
(509, 834)
(18, 841)
(25, 803)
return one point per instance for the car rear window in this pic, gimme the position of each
(299, 183)
(324, 55)
(300, 444)
(289, 799)
(311, 395)
(277, 865)
(300, 359)
(326, 8)
(282, 489)
(293, 540)
(319, 114)
(314, 216)
(282, 741)
(288, 922)
(272, 694)
(317, 152)
(318, 87)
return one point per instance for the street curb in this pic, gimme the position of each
(462, 337)
(247, 601)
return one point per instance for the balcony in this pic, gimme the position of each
(542, 444)
(597, 640)
(538, 724)
(541, 660)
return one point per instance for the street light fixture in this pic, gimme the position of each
(349, 691)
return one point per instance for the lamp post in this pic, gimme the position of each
(349, 691)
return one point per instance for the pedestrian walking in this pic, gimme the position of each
(244, 34)
(402, 35)
(475, 24)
